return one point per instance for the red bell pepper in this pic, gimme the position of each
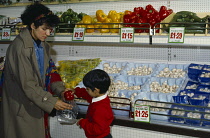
(139, 11)
(140, 25)
(164, 12)
(126, 18)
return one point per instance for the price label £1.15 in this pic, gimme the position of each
(6, 34)
(176, 35)
(142, 113)
(127, 35)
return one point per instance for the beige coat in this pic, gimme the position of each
(24, 100)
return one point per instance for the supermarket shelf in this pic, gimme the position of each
(107, 38)
(161, 125)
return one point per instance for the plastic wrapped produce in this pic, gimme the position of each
(68, 116)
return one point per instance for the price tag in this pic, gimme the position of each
(176, 35)
(78, 34)
(6, 34)
(127, 35)
(141, 113)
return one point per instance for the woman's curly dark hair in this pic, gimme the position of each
(39, 14)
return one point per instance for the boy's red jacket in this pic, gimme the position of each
(98, 118)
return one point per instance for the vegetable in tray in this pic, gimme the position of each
(189, 20)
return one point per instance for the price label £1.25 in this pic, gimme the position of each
(142, 113)
(127, 35)
(176, 35)
(6, 34)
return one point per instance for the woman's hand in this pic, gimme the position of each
(60, 105)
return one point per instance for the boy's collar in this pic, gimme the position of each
(99, 98)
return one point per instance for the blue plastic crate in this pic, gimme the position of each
(193, 77)
(193, 115)
(181, 99)
(206, 68)
(184, 92)
(198, 102)
(190, 83)
(177, 114)
(131, 80)
(206, 122)
(169, 81)
(202, 79)
(203, 89)
(129, 93)
(119, 65)
(143, 67)
(194, 68)
(170, 67)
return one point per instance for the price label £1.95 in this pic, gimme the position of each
(142, 113)
(6, 34)
(127, 35)
(78, 34)
(176, 35)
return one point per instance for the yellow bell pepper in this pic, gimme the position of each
(94, 20)
(98, 25)
(99, 11)
(90, 30)
(104, 30)
(114, 26)
(111, 12)
(108, 20)
(100, 15)
(115, 17)
(80, 25)
(87, 19)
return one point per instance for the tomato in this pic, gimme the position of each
(68, 96)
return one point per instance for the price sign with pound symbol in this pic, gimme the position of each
(127, 35)
(141, 113)
(78, 34)
(6, 34)
(176, 35)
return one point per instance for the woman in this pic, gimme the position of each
(24, 100)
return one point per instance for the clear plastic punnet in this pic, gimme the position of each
(68, 116)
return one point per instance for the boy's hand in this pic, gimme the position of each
(78, 122)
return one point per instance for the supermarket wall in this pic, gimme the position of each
(152, 53)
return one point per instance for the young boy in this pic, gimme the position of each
(99, 114)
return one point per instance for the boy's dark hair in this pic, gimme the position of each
(39, 14)
(97, 78)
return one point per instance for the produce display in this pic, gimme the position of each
(128, 88)
(140, 18)
(68, 20)
(146, 17)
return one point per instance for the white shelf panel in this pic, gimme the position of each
(188, 40)
(100, 38)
